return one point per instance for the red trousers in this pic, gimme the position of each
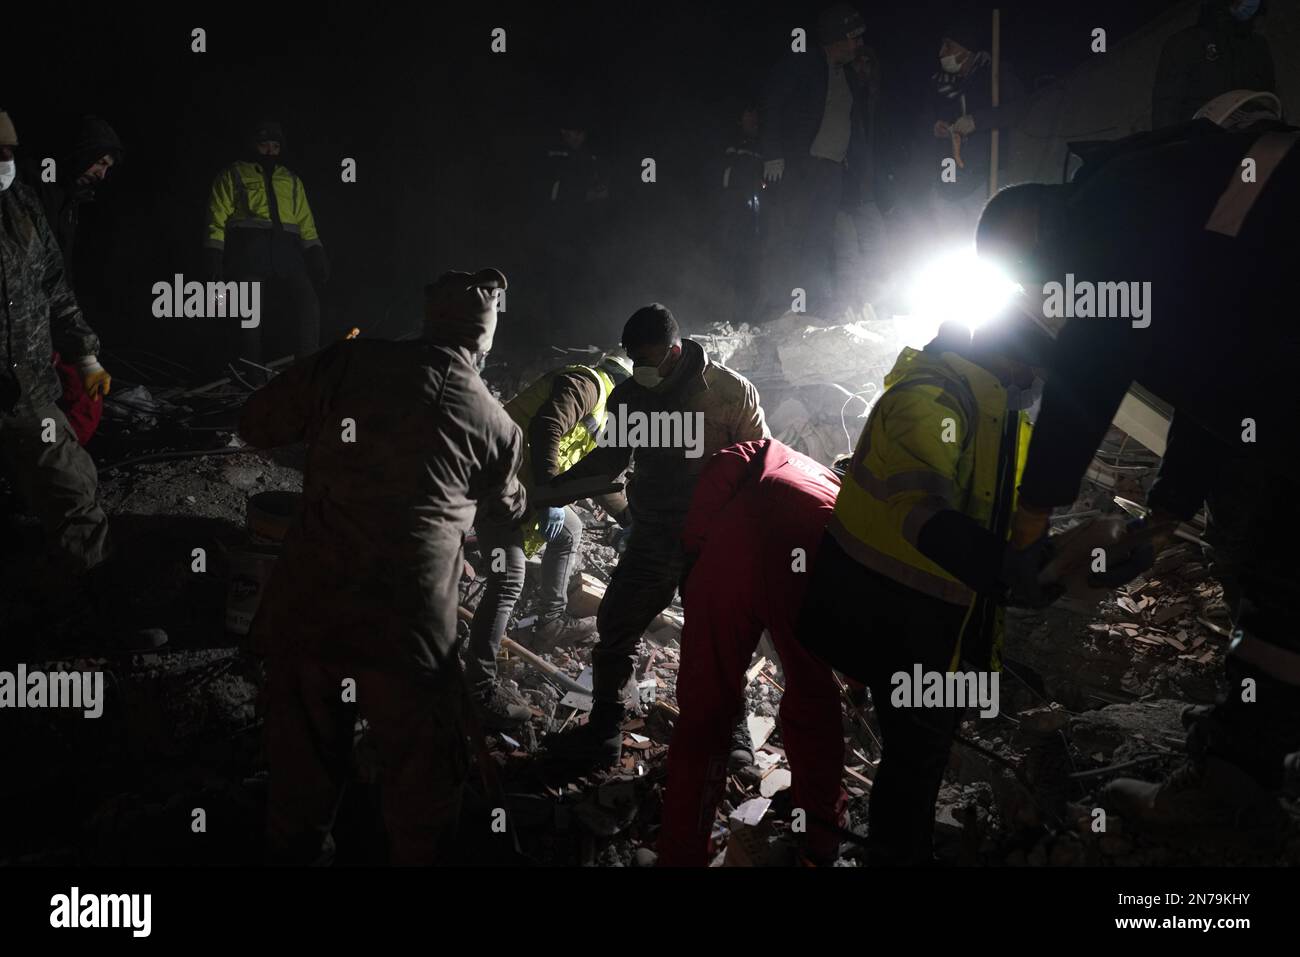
(745, 580)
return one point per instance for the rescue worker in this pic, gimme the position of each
(559, 415)
(755, 523)
(719, 407)
(55, 477)
(403, 439)
(78, 172)
(1223, 51)
(910, 571)
(260, 228)
(1175, 210)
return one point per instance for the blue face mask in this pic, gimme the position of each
(1244, 9)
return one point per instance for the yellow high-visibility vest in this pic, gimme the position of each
(574, 445)
(933, 442)
(239, 201)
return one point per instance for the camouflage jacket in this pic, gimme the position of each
(39, 312)
(403, 440)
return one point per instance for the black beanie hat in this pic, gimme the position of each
(94, 139)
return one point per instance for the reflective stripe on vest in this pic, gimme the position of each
(1239, 198)
(880, 531)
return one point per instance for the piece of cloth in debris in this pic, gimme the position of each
(757, 519)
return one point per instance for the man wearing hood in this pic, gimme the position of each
(404, 442)
(675, 376)
(1223, 51)
(53, 474)
(77, 173)
(261, 229)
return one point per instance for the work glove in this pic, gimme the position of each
(1020, 570)
(964, 125)
(553, 523)
(213, 264)
(1134, 560)
(94, 377)
(773, 170)
(318, 266)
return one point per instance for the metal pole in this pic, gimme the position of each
(993, 143)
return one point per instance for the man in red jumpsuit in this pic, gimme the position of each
(755, 521)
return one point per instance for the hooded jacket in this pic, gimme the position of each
(928, 495)
(62, 199)
(663, 479)
(38, 311)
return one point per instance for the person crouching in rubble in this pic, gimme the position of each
(910, 573)
(560, 415)
(403, 439)
(672, 380)
(757, 518)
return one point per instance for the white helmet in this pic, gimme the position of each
(618, 367)
(1238, 108)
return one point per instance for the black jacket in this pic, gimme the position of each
(1217, 55)
(793, 103)
(62, 199)
(1218, 347)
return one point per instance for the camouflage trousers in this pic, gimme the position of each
(56, 478)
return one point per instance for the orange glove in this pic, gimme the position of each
(94, 377)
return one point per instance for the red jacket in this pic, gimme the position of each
(790, 497)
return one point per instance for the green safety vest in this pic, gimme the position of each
(575, 444)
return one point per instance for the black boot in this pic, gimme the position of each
(597, 744)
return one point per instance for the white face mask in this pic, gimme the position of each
(8, 170)
(950, 63)
(647, 376)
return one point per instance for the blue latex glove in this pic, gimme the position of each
(553, 523)
(619, 537)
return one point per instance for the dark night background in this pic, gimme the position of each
(448, 137)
